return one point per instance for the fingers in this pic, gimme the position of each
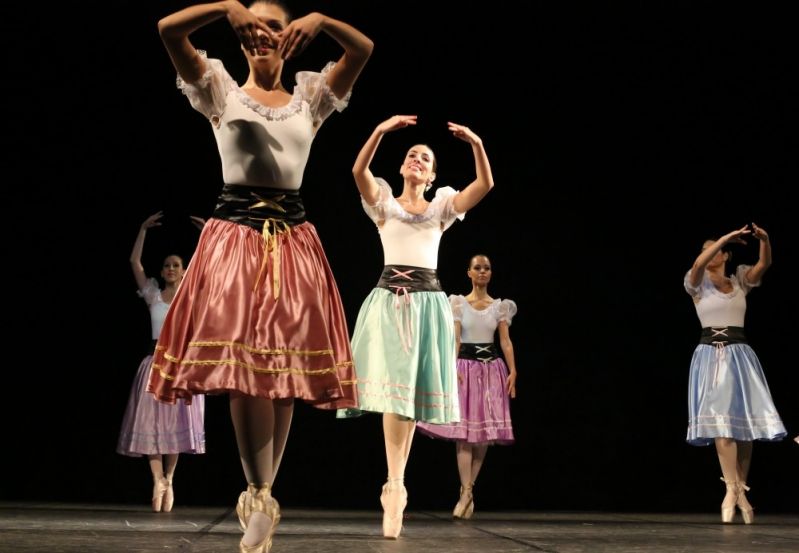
(252, 34)
(407, 120)
(152, 220)
(396, 122)
(294, 43)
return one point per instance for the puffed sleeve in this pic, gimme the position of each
(456, 302)
(444, 208)
(693, 291)
(151, 293)
(743, 282)
(506, 311)
(313, 88)
(379, 210)
(208, 94)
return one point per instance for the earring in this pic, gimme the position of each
(428, 186)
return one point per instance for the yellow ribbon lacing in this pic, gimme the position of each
(271, 232)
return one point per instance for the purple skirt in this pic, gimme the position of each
(151, 427)
(484, 402)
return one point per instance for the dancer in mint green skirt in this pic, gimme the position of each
(404, 341)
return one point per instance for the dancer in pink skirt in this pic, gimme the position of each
(484, 383)
(159, 430)
(259, 315)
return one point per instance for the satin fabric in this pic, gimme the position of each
(484, 405)
(728, 397)
(151, 427)
(415, 380)
(226, 332)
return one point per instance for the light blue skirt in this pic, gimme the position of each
(403, 349)
(728, 397)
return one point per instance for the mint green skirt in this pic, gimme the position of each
(403, 349)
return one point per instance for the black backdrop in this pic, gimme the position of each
(620, 138)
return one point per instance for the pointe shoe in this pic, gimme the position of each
(747, 512)
(159, 490)
(244, 508)
(394, 498)
(259, 500)
(735, 496)
(169, 498)
(464, 508)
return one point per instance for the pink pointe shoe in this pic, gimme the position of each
(394, 499)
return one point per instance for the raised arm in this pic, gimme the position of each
(357, 47)
(477, 189)
(754, 274)
(176, 28)
(698, 268)
(367, 186)
(138, 247)
(507, 352)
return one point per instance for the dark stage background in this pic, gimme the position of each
(620, 138)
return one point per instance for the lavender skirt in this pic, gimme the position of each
(484, 403)
(151, 427)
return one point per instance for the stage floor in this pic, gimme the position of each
(86, 528)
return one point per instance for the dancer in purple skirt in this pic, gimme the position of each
(159, 430)
(484, 382)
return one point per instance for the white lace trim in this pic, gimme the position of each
(273, 114)
(338, 103)
(305, 81)
(499, 309)
(388, 206)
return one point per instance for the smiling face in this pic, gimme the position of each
(276, 18)
(172, 270)
(419, 165)
(479, 271)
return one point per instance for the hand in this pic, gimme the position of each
(464, 133)
(198, 222)
(759, 233)
(396, 122)
(152, 221)
(247, 25)
(735, 237)
(295, 38)
(512, 384)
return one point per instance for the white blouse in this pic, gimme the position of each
(716, 308)
(479, 325)
(412, 239)
(158, 307)
(261, 145)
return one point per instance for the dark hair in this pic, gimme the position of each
(724, 249)
(279, 3)
(471, 259)
(180, 257)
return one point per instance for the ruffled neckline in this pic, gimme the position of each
(271, 113)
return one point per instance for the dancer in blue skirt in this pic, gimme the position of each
(404, 342)
(729, 402)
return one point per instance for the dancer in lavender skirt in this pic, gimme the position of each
(159, 430)
(484, 382)
(729, 402)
